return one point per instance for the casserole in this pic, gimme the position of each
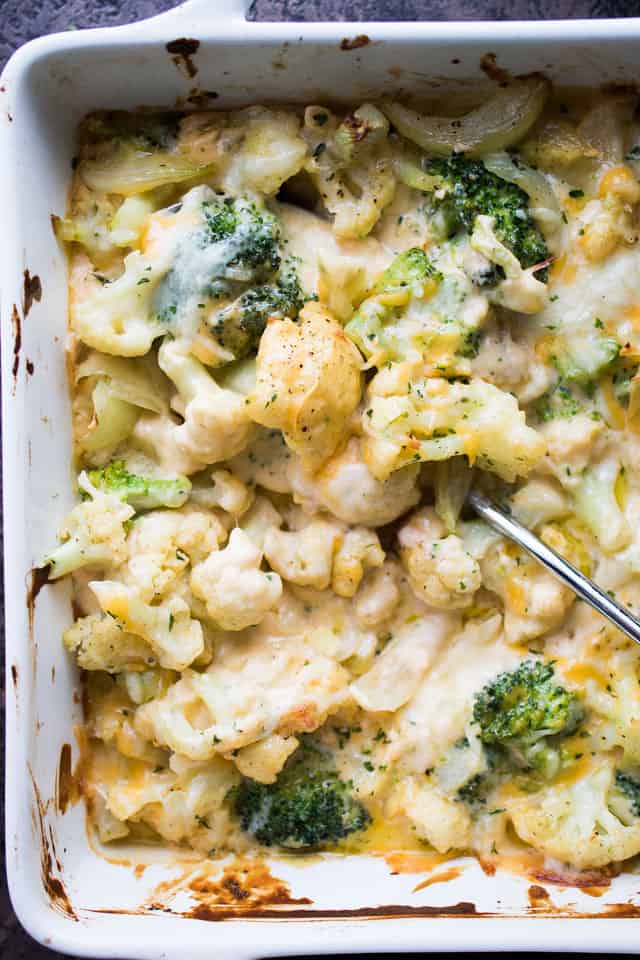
(64, 892)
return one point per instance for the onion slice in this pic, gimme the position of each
(126, 170)
(500, 122)
(545, 207)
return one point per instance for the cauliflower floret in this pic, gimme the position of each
(215, 426)
(236, 592)
(609, 220)
(115, 317)
(378, 596)
(539, 501)
(322, 553)
(308, 383)
(305, 556)
(519, 290)
(192, 809)
(198, 532)
(110, 718)
(604, 666)
(570, 445)
(346, 488)
(168, 628)
(421, 309)
(266, 462)
(144, 685)
(92, 535)
(183, 804)
(252, 150)
(155, 562)
(251, 691)
(339, 271)
(441, 572)
(261, 517)
(90, 223)
(359, 550)
(263, 761)
(408, 420)
(230, 493)
(572, 820)
(596, 504)
(350, 166)
(161, 545)
(534, 600)
(442, 822)
(98, 643)
(398, 669)
(121, 316)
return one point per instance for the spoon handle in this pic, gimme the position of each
(557, 565)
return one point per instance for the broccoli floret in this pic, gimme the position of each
(308, 806)
(474, 190)
(239, 327)
(519, 711)
(474, 792)
(412, 266)
(470, 346)
(583, 358)
(629, 787)
(411, 272)
(622, 376)
(142, 493)
(228, 274)
(150, 131)
(252, 235)
(558, 404)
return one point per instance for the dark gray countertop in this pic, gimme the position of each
(21, 20)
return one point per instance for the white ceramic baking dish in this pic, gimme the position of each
(66, 894)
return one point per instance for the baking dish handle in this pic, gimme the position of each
(216, 11)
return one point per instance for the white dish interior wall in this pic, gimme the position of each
(48, 90)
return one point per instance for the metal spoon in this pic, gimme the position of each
(559, 567)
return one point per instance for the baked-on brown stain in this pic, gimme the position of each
(70, 783)
(489, 66)
(32, 291)
(65, 779)
(182, 50)
(410, 862)
(17, 341)
(586, 880)
(451, 874)
(243, 885)
(37, 577)
(50, 865)
(30, 367)
(354, 43)
(459, 910)
(14, 675)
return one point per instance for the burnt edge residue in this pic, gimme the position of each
(30, 367)
(354, 43)
(37, 578)
(580, 880)
(17, 342)
(14, 675)
(32, 291)
(245, 887)
(50, 865)
(489, 66)
(182, 50)
(460, 910)
(65, 779)
(70, 782)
